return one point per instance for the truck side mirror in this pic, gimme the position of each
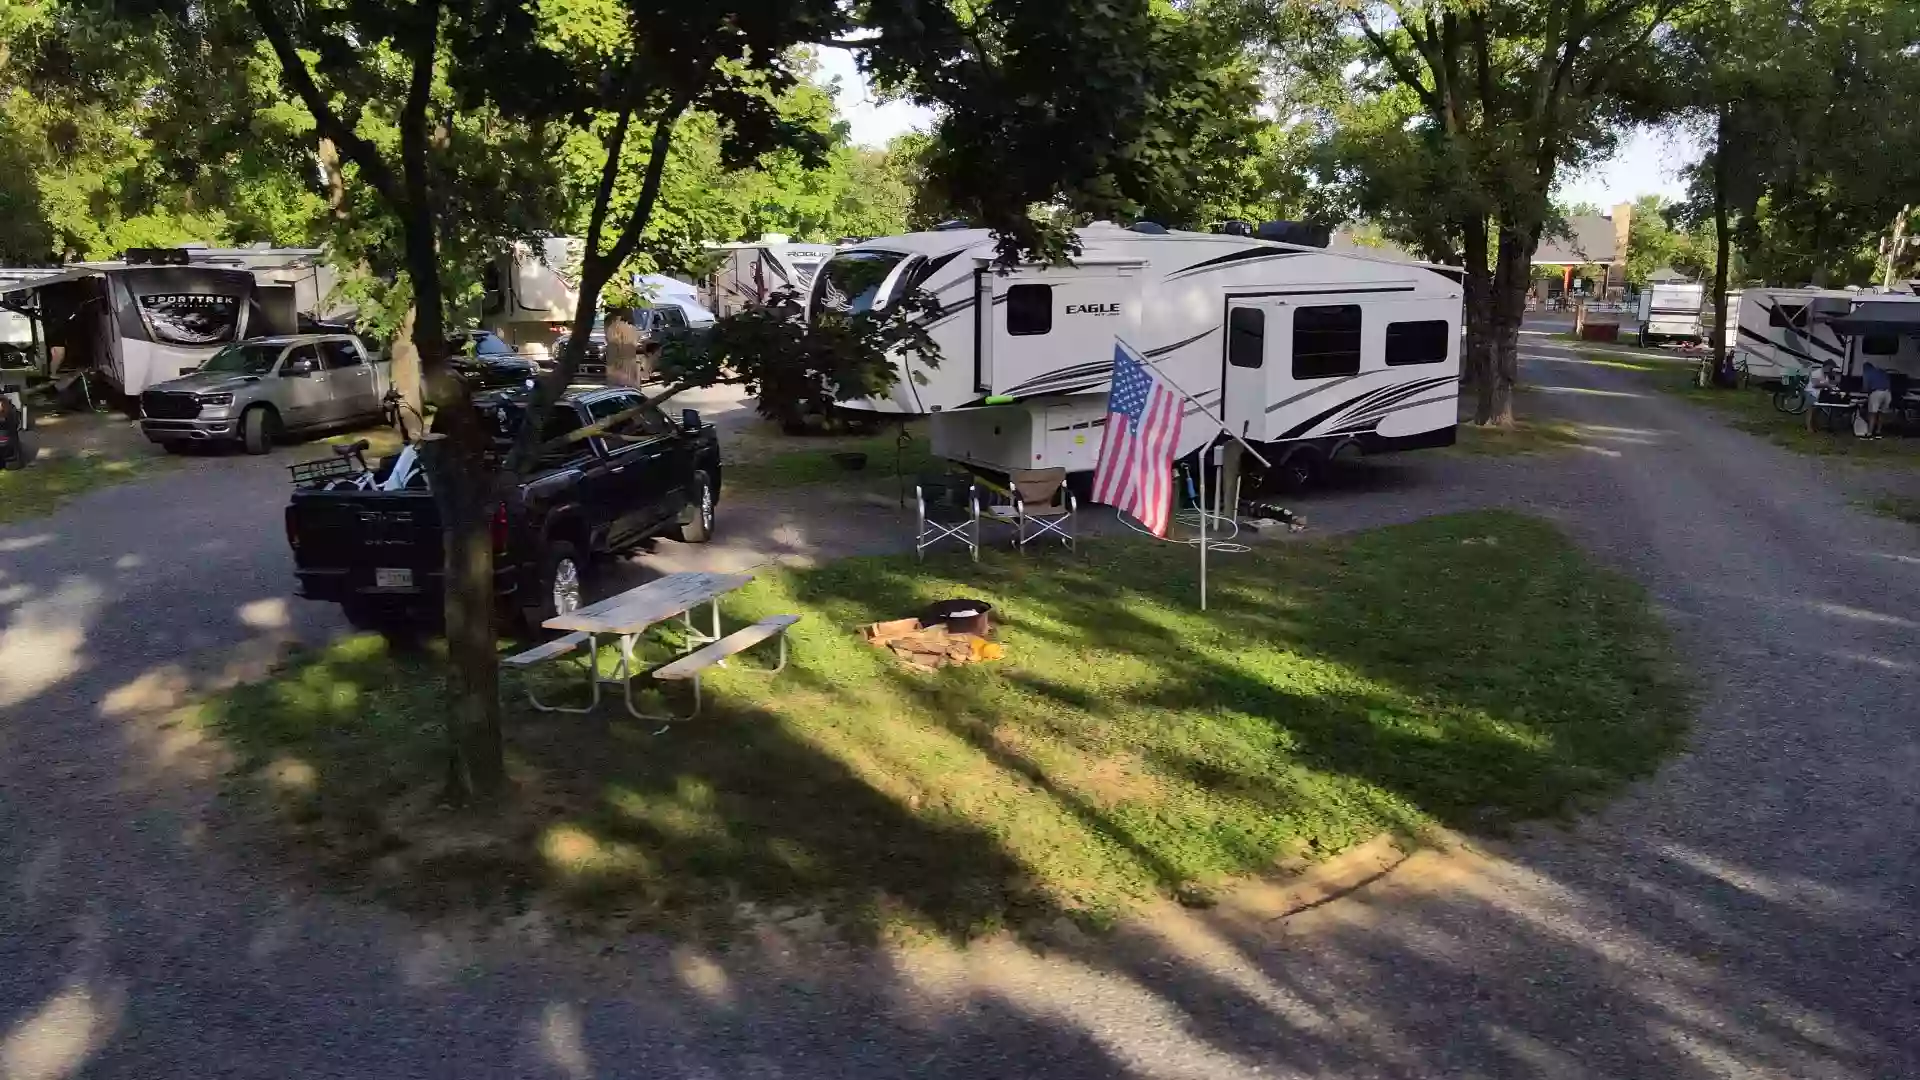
(690, 419)
(299, 368)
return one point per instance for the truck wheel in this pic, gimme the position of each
(562, 584)
(698, 528)
(257, 429)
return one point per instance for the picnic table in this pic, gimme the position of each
(627, 616)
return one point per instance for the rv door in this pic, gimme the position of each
(1257, 332)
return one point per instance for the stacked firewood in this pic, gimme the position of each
(928, 648)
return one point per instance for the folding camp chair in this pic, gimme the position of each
(1042, 506)
(946, 508)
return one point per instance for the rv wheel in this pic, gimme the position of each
(1299, 470)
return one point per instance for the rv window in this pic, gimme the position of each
(1326, 341)
(1423, 342)
(1246, 337)
(1880, 344)
(1785, 314)
(851, 280)
(1029, 310)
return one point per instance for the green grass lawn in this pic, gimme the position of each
(1752, 410)
(40, 488)
(1467, 671)
(811, 462)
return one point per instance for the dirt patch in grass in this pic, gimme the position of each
(1467, 671)
(761, 459)
(1524, 437)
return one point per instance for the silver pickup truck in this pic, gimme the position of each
(258, 390)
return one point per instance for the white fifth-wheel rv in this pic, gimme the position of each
(1297, 347)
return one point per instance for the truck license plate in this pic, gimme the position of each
(393, 579)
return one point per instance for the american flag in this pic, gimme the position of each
(1135, 472)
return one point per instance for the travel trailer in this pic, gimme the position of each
(1778, 334)
(750, 273)
(158, 312)
(529, 295)
(1296, 347)
(1670, 311)
(1786, 331)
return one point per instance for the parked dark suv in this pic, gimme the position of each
(617, 474)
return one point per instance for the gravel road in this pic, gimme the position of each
(1751, 911)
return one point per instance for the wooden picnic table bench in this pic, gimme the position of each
(632, 613)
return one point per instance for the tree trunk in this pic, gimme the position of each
(1476, 365)
(1513, 272)
(465, 493)
(1722, 251)
(622, 348)
(404, 357)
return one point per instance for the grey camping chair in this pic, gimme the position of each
(946, 508)
(1042, 507)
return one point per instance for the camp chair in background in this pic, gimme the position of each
(1041, 506)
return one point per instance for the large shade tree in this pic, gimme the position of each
(1470, 112)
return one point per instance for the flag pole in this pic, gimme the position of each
(1219, 425)
(1203, 530)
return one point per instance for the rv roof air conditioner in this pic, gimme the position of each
(954, 225)
(1295, 232)
(1151, 228)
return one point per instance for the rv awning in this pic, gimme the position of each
(52, 278)
(1879, 317)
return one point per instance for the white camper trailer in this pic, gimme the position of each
(162, 311)
(530, 294)
(1786, 331)
(1670, 311)
(1783, 331)
(750, 273)
(1293, 346)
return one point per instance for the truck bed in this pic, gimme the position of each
(366, 543)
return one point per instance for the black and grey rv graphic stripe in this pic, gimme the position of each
(1233, 258)
(1074, 371)
(1355, 407)
(1178, 345)
(1321, 389)
(1383, 403)
(1796, 331)
(1369, 423)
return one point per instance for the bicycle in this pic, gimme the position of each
(1791, 398)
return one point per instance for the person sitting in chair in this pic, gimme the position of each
(1879, 387)
(1819, 380)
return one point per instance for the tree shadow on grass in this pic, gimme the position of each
(726, 819)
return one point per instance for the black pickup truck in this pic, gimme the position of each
(616, 473)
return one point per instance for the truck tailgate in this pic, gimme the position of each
(366, 541)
